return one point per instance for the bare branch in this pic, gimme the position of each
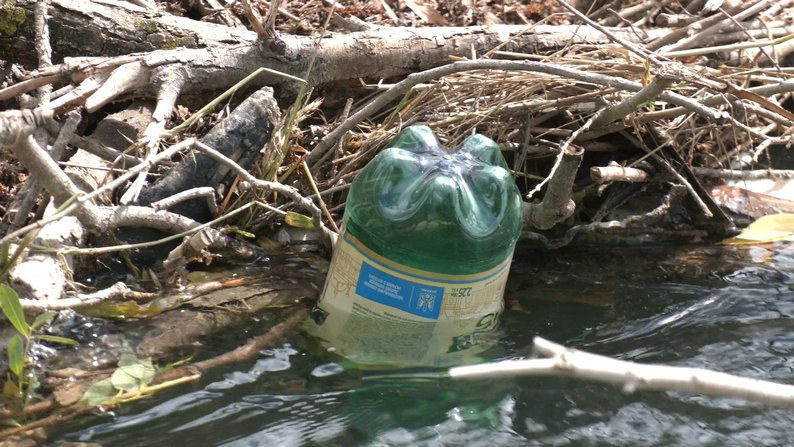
(118, 291)
(557, 204)
(736, 174)
(568, 362)
(205, 191)
(607, 174)
(43, 48)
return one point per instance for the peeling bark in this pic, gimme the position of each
(240, 136)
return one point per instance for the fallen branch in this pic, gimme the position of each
(118, 291)
(617, 173)
(568, 362)
(738, 174)
(227, 55)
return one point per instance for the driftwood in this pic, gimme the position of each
(567, 362)
(378, 54)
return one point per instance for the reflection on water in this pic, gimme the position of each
(723, 308)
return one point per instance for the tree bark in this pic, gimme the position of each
(240, 136)
(218, 56)
(112, 28)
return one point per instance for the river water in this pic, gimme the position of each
(724, 308)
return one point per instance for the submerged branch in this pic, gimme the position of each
(246, 352)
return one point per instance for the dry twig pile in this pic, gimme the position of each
(608, 127)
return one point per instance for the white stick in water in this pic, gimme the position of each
(570, 362)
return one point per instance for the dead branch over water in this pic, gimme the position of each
(567, 362)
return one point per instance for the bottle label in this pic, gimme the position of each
(406, 295)
(372, 307)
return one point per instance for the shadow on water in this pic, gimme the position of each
(723, 308)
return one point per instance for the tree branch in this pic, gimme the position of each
(568, 362)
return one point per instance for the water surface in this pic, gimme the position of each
(724, 308)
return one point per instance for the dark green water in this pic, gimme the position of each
(723, 308)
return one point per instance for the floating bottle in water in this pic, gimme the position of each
(419, 270)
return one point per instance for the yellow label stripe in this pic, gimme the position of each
(408, 272)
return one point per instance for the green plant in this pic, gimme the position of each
(20, 382)
(128, 382)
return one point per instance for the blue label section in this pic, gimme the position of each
(412, 297)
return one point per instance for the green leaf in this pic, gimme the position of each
(121, 309)
(771, 228)
(243, 233)
(132, 373)
(298, 220)
(102, 392)
(56, 339)
(42, 319)
(16, 355)
(12, 308)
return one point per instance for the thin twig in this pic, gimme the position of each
(207, 192)
(138, 216)
(320, 200)
(625, 107)
(704, 208)
(255, 19)
(608, 174)
(639, 51)
(562, 152)
(399, 89)
(736, 174)
(288, 191)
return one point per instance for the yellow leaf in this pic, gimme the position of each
(296, 220)
(772, 228)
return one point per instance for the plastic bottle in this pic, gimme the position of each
(419, 270)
